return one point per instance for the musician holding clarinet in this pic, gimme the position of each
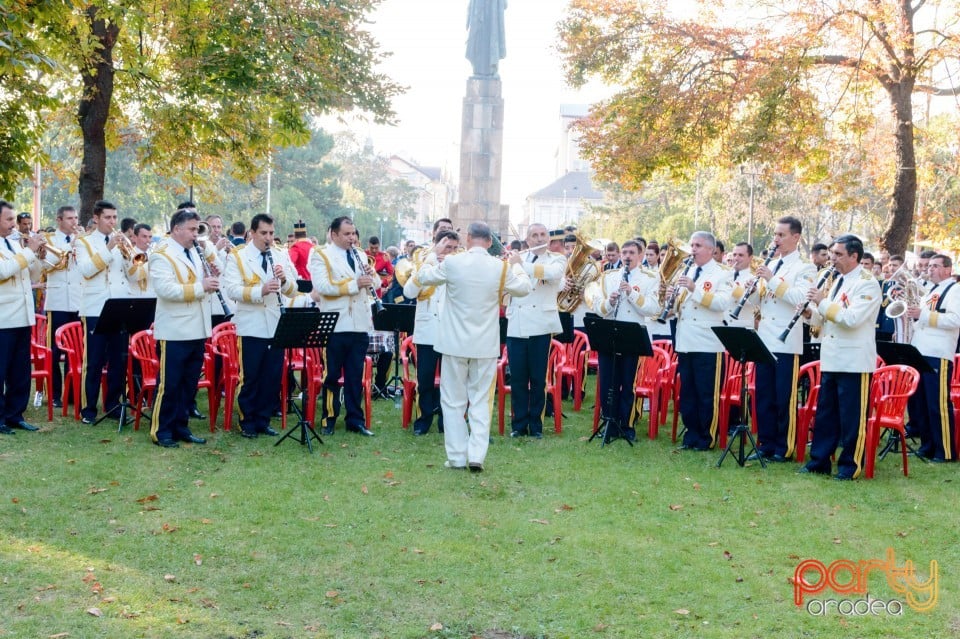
(783, 284)
(181, 326)
(344, 282)
(703, 297)
(258, 277)
(848, 357)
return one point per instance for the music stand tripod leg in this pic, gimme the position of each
(303, 428)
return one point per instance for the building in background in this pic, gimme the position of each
(435, 194)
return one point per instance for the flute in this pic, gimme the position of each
(829, 273)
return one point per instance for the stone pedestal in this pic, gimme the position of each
(481, 157)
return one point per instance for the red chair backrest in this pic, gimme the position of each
(38, 333)
(651, 367)
(143, 347)
(224, 343)
(69, 339)
(890, 389)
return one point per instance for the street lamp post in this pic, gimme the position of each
(753, 184)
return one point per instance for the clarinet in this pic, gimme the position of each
(674, 293)
(270, 264)
(830, 272)
(753, 285)
(206, 271)
(626, 271)
(372, 291)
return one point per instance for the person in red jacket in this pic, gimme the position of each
(381, 263)
(300, 256)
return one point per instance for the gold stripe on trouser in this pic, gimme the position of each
(943, 398)
(717, 385)
(858, 450)
(792, 414)
(326, 392)
(155, 417)
(546, 381)
(636, 407)
(240, 384)
(83, 370)
(50, 332)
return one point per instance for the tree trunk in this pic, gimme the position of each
(902, 205)
(93, 112)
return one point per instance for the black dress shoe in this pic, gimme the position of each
(6, 430)
(630, 434)
(269, 432)
(327, 430)
(196, 414)
(361, 430)
(475, 467)
(757, 456)
(841, 477)
(87, 420)
(248, 434)
(696, 448)
(419, 433)
(167, 443)
(57, 403)
(518, 433)
(22, 425)
(806, 470)
(193, 439)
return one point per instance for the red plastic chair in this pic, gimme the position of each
(408, 363)
(293, 363)
(955, 398)
(143, 348)
(730, 396)
(503, 389)
(224, 345)
(574, 368)
(69, 338)
(892, 386)
(315, 375)
(648, 385)
(556, 360)
(41, 359)
(808, 411)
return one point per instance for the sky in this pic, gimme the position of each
(427, 39)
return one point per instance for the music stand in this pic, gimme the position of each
(303, 328)
(119, 315)
(617, 339)
(398, 318)
(906, 355)
(744, 345)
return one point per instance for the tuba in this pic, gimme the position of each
(581, 270)
(909, 292)
(670, 266)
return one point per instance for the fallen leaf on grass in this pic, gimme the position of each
(198, 483)
(542, 522)
(94, 491)
(198, 559)
(108, 600)
(600, 627)
(129, 614)
(901, 534)
(676, 507)
(105, 441)
(436, 627)
(59, 635)
(170, 578)
(562, 508)
(47, 587)
(87, 578)
(696, 486)
(209, 603)
(15, 500)
(417, 551)
(739, 580)
(682, 611)
(144, 500)
(206, 521)
(256, 453)
(727, 555)
(388, 474)
(169, 528)
(214, 495)
(181, 620)
(285, 624)
(96, 612)
(363, 489)
(332, 594)
(837, 540)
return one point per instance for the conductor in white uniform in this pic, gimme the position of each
(469, 339)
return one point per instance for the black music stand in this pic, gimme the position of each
(303, 328)
(744, 345)
(618, 339)
(124, 315)
(398, 318)
(906, 355)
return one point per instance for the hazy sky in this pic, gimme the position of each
(428, 41)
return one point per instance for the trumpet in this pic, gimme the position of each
(62, 256)
(827, 276)
(127, 250)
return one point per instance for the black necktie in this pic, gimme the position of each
(696, 274)
(106, 239)
(7, 242)
(350, 260)
(535, 256)
(777, 267)
(67, 239)
(626, 274)
(836, 289)
(189, 257)
(736, 275)
(263, 261)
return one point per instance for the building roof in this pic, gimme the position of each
(432, 173)
(574, 185)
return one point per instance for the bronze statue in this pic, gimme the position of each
(486, 42)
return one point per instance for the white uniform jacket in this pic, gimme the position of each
(139, 273)
(536, 313)
(935, 331)
(104, 274)
(704, 308)
(63, 285)
(243, 278)
(740, 280)
(476, 281)
(778, 303)
(17, 266)
(848, 315)
(426, 322)
(335, 288)
(182, 309)
(640, 304)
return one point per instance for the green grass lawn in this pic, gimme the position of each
(106, 535)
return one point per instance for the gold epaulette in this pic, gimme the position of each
(864, 275)
(649, 271)
(725, 267)
(239, 247)
(162, 249)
